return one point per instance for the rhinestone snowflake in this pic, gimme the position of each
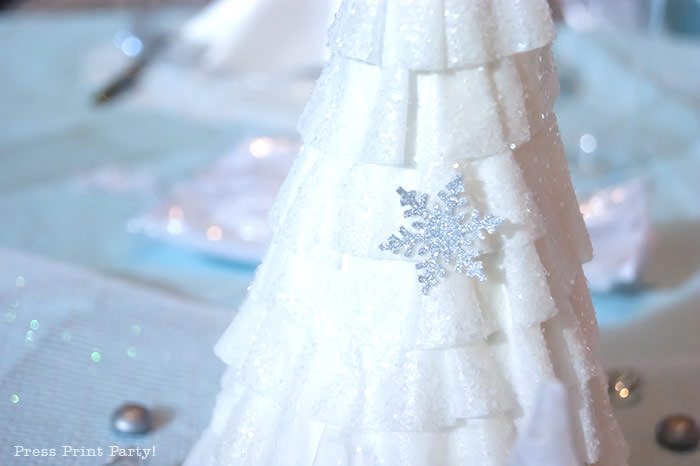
(442, 236)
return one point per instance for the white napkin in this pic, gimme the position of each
(619, 223)
(261, 35)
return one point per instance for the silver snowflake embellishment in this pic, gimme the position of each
(442, 236)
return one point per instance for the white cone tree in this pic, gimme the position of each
(341, 355)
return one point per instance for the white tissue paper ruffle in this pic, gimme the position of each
(546, 439)
(438, 34)
(336, 357)
(403, 111)
(528, 186)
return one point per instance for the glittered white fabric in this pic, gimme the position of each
(403, 111)
(337, 357)
(438, 34)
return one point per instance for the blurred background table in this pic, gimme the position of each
(55, 149)
(53, 137)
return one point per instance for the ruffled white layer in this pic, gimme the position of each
(527, 186)
(249, 430)
(360, 360)
(323, 296)
(438, 34)
(287, 391)
(394, 117)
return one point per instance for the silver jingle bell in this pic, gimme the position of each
(132, 419)
(678, 432)
(624, 387)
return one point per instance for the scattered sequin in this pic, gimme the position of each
(588, 143)
(176, 212)
(261, 147)
(214, 233)
(174, 226)
(14, 398)
(96, 356)
(624, 387)
(131, 46)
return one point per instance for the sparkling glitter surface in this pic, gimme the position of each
(438, 34)
(442, 236)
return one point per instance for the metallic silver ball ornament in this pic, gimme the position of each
(624, 387)
(132, 419)
(678, 432)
